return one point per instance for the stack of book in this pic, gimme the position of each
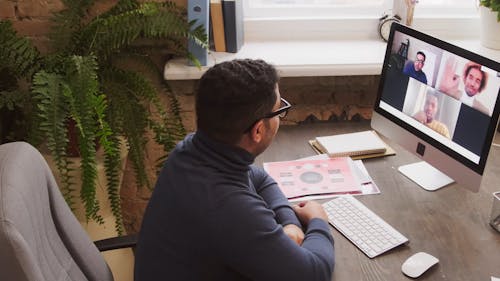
(359, 145)
(226, 24)
(222, 21)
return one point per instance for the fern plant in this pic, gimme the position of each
(84, 80)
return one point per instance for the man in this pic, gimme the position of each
(213, 215)
(474, 82)
(414, 69)
(427, 116)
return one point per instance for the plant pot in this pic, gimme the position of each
(489, 28)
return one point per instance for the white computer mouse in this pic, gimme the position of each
(417, 264)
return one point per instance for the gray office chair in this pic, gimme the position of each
(40, 238)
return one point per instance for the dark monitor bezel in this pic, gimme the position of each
(477, 167)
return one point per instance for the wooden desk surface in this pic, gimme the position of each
(450, 223)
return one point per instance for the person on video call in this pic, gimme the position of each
(427, 116)
(414, 69)
(474, 80)
(215, 216)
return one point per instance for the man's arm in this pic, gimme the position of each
(268, 189)
(244, 235)
(270, 192)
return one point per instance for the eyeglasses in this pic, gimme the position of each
(420, 61)
(280, 112)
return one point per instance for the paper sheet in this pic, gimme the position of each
(368, 186)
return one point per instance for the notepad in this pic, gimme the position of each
(359, 143)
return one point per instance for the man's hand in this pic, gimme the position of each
(420, 117)
(309, 210)
(449, 80)
(294, 232)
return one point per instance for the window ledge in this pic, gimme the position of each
(310, 58)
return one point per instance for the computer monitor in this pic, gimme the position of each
(440, 102)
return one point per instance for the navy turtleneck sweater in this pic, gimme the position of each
(214, 216)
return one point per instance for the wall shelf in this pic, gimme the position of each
(311, 58)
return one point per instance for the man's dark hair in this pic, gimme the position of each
(484, 75)
(421, 53)
(232, 95)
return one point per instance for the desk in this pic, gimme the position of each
(450, 223)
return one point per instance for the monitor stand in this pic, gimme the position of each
(428, 177)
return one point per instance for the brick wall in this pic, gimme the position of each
(31, 18)
(331, 98)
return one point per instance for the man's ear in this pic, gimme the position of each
(257, 131)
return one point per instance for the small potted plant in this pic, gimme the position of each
(490, 23)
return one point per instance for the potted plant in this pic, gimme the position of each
(84, 82)
(490, 23)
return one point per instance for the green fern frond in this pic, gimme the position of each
(111, 146)
(12, 99)
(67, 23)
(15, 115)
(50, 91)
(82, 79)
(198, 34)
(105, 35)
(125, 90)
(121, 7)
(169, 46)
(172, 129)
(17, 53)
(169, 129)
(112, 164)
(56, 63)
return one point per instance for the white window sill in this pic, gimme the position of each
(311, 58)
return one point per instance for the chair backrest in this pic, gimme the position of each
(40, 238)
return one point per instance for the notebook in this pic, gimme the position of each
(359, 143)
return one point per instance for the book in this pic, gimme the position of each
(299, 178)
(389, 151)
(217, 19)
(198, 12)
(352, 144)
(232, 11)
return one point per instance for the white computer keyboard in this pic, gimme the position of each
(370, 233)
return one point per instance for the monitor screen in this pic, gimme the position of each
(440, 102)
